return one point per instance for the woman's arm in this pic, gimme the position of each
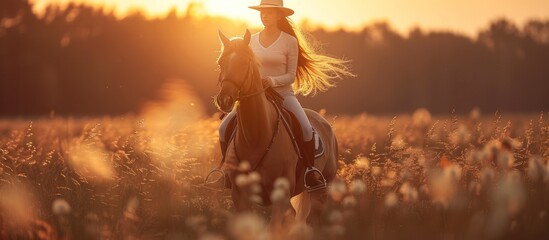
(291, 67)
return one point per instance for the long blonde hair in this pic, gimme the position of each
(315, 72)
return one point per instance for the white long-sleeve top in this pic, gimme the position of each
(278, 61)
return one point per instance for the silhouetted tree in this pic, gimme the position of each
(82, 60)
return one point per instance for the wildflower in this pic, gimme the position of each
(282, 183)
(244, 166)
(536, 170)
(335, 216)
(391, 174)
(490, 151)
(247, 226)
(357, 187)
(89, 160)
(376, 170)
(443, 188)
(278, 195)
(391, 200)
(422, 161)
(362, 163)
(337, 189)
(453, 172)
(398, 142)
(256, 199)
(254, 177)
(60, 207)
(131, 209)
(421, 118)
(387, 182)
(474, 115)
(408, 192)
(511, 194)
(242, 180)
(15, 203)
(349, 201)
(460, 136)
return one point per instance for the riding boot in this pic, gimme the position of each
(314, 180)
(223, 146)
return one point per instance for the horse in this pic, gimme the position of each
(261, 139)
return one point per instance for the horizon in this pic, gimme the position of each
(425, 15)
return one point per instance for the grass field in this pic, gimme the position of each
(409, 176)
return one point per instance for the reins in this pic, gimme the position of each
(240, 98)
(273, 137)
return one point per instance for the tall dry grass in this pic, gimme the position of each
(400, 177)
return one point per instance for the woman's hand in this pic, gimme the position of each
(267, 81)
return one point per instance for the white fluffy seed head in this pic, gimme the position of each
(337, 190)
(282, 183)
(357, 187)
(391, 200)
(242, 180)
(247, 226)
(349, 201)
(278, 195)
(244, 166)
(254, 177)
(255, 188)
(61, 207)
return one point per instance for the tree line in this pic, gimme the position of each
(82, 60)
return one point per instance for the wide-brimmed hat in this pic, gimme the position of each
(278, 4)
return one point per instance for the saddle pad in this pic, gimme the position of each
(319, 145)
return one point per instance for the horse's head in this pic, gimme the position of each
(237, 71)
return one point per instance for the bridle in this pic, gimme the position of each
(247, 77)
(242, 97)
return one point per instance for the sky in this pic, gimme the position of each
(460, 16)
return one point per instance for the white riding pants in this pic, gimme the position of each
(292, 104)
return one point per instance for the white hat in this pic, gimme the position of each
(273, 4)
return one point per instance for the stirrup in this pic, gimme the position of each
(206, 180)
(311, 170)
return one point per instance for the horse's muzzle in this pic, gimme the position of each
(225, 103)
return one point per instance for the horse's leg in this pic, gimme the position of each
(317, 200)
(241, 204)
(302, 205)
(282, 215)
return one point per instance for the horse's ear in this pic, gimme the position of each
(224, 40)
(247, 37)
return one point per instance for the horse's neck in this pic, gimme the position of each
(257, 119)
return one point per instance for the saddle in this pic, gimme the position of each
(292, 126)
(289, 120)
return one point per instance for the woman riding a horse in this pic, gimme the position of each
(290, 66)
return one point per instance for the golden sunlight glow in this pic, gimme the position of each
(466, 16)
